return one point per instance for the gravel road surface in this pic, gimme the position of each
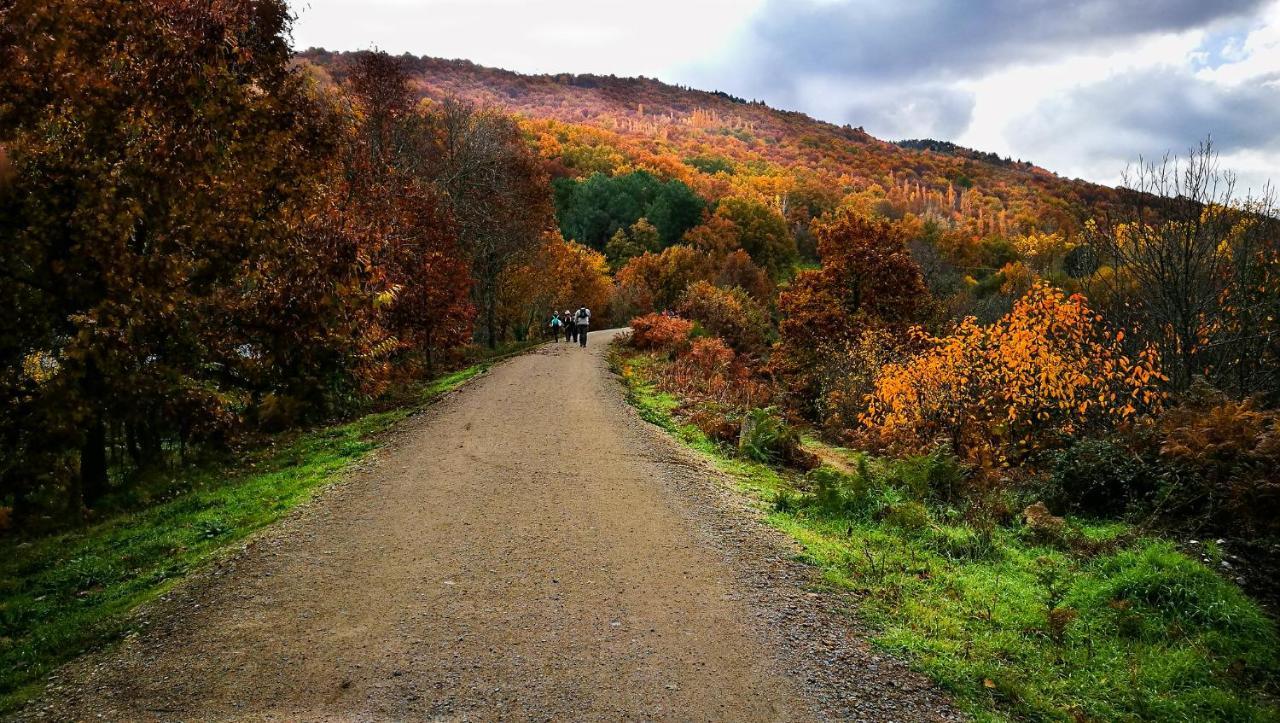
(525, 549)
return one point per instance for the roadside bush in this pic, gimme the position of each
(659, 332)
(907, 515)
(938, 475)
(716, 423)
(1099, 477)
(709, 371)
(730, 314)
(838, 494)
(1046, 372)
(1232, 451)
(767, 438)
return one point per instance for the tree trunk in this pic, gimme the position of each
(93, 462)
(91, 484)
(490, 320)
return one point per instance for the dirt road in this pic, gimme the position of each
(526, 549)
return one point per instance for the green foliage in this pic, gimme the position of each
(626, 244)
(1099, 477)
(591, 211)
(711, 164)
(767, 438)
(762, 232)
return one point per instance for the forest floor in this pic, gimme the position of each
(527, 548)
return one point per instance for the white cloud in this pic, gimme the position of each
(574, 36)
(1080, 88)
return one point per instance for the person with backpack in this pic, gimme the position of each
(555, 325)
(582, 320)
(570, 328)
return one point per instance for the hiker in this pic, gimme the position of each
(582, 320)
(570, 328)
(555, 325)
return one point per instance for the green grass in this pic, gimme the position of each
(1098, 624)
(66, 594)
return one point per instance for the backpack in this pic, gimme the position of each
(583, 314)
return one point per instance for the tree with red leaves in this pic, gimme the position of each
(868, 280)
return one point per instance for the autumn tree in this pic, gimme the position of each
(762, 232)
(628, 243)
(738, 270)
(867, 281)
(414, 266)
(1192, 267)
(153, 146)
(717, 236)
(497, 194)
(655, 282)
(730, 314)
(559, 275)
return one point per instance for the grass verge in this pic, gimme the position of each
(1094, 623)
(65, 594)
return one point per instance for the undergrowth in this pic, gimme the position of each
(65, 594)
(1092, 623)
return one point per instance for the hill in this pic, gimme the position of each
(723, 145)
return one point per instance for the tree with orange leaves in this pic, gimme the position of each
(1047, 371)
(558, 275)
(655, 282)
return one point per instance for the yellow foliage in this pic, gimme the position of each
(1046, 371)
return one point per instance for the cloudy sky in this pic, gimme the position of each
(1081, 87)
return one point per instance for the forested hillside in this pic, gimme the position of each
(722, 145)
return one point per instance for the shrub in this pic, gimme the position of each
(908, 515)
(767, 438)
(1231, 450)
(728, 313)
(1099, 477)
(659, 332)
(839, 494)
(708, 370)
(1042, 374)
(716, 423)
(937, 475)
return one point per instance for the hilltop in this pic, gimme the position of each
(721, 144)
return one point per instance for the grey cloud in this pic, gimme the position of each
(1150, 113)
(893, 59)
(911, 112)
(937, 39)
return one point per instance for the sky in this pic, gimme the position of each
(1081, 87)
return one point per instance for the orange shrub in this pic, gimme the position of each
(1046, 371)
(658, 332)
(728, 313)
(710, 371)
(868, 281)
